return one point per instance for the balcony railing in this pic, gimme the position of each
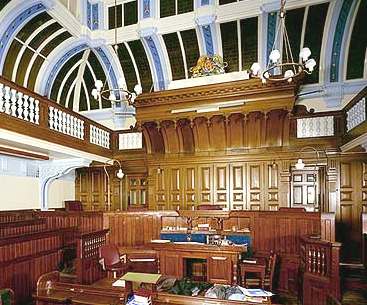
(356, 116)
(26, 112)
(320, 266)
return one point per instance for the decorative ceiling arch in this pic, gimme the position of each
(13, 17)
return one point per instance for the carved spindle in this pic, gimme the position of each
(1, 97)
(56, 119)
(79, 128)
(60, 120)
(309, 260)
(13, 102)
(51, 117)
(37, 112)
(108, 140)
(63, 122)
(319, 261)
(323, 265)
(76, 131)
(72, 129)
(25, 106)
(7, 100)
(68, 124)
(91, 134)
(314, 263)
(31, 109)
(82, 130)
(20, 105)
(100, 136)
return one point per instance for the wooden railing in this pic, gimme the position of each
(325, 127)
(320, 266)
(88, 268)
(26, 112)
(355, 113)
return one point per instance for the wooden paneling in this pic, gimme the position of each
(219, 267)
(238, 186)
(129, 229)
(352, 190)
(83, 221)
(24, 259)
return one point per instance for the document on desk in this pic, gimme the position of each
(119, 283)
(255, 292)
(249, 261)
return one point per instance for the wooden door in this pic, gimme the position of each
(220, 269)
(304, 189)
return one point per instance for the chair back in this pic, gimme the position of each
(110, 254)
(271, 268)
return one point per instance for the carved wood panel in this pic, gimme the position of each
(175, 190)
(161, 190)
(254, 186)
(205, 184)
(237, 186)
(190, 180)
(352, 189)
(221, 185)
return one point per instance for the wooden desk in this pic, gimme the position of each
(146, 278)
(102, 293)
(222, 261)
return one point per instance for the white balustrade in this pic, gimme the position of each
(99, 136)
(131, 140)
(356, 115)
(19, 105)
(65, 123)
(315, 127)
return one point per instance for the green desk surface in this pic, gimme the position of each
(148, 278)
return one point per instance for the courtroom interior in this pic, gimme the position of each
(183, 152)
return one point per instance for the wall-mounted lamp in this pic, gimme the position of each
(119, 175)
(300, 164)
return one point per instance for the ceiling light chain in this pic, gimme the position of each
(277, 69)
(116, 96)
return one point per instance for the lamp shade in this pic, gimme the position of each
(300, 165)
(120, 174)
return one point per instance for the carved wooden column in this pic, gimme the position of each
(331, 186)
(151, 179)
(284, 184)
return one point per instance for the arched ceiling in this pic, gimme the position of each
(60, 47)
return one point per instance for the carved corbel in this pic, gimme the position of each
(51, 170)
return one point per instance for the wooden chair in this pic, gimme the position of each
(111, 260)
(266, 277)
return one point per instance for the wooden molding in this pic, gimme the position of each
(22, 153)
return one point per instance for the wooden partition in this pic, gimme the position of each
(320, 269)
(23, 259)
(88, 268)
(134, 229)
(17, 228)
(83, 221)
(277, 231)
